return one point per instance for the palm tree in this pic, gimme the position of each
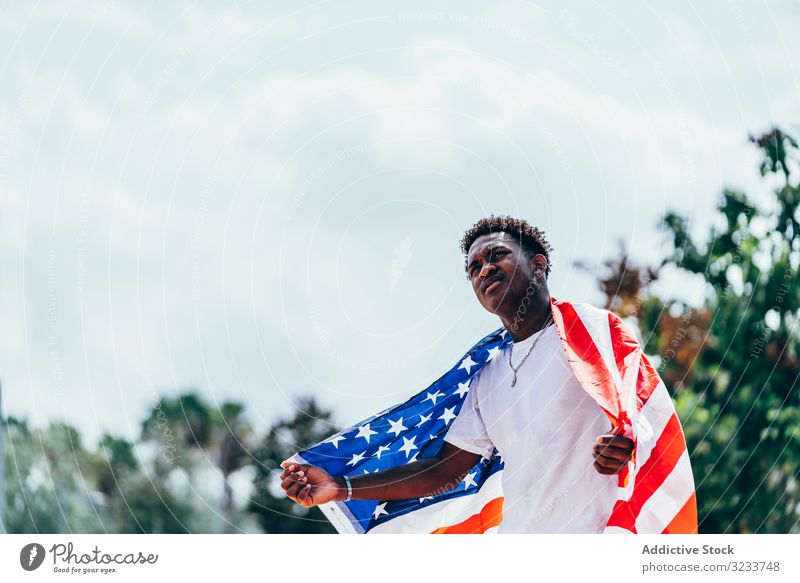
(232, 435)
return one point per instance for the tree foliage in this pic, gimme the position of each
(191, 469)
(732, 362)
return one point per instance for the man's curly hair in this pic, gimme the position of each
(530, 238)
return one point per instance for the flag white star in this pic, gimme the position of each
(380, 509)
(408, 446)
(467, 364)
(448, 415)
(469, 480)
(357, 457)
(381, 449)
(421, 500)
(423, 419)
(365, 432)
(463, 389)
(413, 458)
(335, 440)
(397, 427)
(434, 396)
(432, 437)
(493, 352)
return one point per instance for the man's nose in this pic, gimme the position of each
(487, 270)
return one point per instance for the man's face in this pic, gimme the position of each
(500, 272)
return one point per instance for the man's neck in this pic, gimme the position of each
(536, 317)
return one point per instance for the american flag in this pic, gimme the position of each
(656, 491)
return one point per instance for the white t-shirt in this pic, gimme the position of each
(544, 428)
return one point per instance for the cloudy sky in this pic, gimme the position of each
(266, 201)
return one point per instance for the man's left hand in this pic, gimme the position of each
(611, 453)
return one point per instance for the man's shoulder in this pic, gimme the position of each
(487, 370)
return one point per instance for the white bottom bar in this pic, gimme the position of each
(404, 558)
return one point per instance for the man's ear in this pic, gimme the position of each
(539, 264)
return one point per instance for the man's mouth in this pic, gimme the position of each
(492, 284)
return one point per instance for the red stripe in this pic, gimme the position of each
(490, 515)
(584, 357)
(663, 459)
(685, 522)
(627, 351)
(623, 342)
(622, 516)
(647, 381)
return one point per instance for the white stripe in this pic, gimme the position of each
(596, 322)
(635, 359)
(337, 518)
(651, 423)
(634, 365)
(447, 513)
(666, 502)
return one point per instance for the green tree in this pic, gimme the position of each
(163, 483)
(232, 439)
(49, 481)
(192, 437)
(56, 485)
(732, 362)
(181, 428)
(136, 500)
(276, 513)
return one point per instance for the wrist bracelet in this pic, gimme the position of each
(349, 489)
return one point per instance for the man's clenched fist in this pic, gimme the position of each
(611, 453)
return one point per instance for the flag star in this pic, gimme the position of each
(467, 364)
(493, 352)
(421, 500)
(424, 419)
(397, 427)
(380, 509)
(365, 432)
(357, 457)
(434, 396)
(469, 480)
(413, 458)
(408, 446)
(448, 415)
(463, 389)
(335, 440)
(381, 449)
(432, 437)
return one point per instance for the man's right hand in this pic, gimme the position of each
(309, 485)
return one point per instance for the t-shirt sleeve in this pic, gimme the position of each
(468, 431)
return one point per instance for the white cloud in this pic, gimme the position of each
(222, 206)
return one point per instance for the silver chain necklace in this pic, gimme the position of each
(535, 342)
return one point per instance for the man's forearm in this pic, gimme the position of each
(415, 480)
